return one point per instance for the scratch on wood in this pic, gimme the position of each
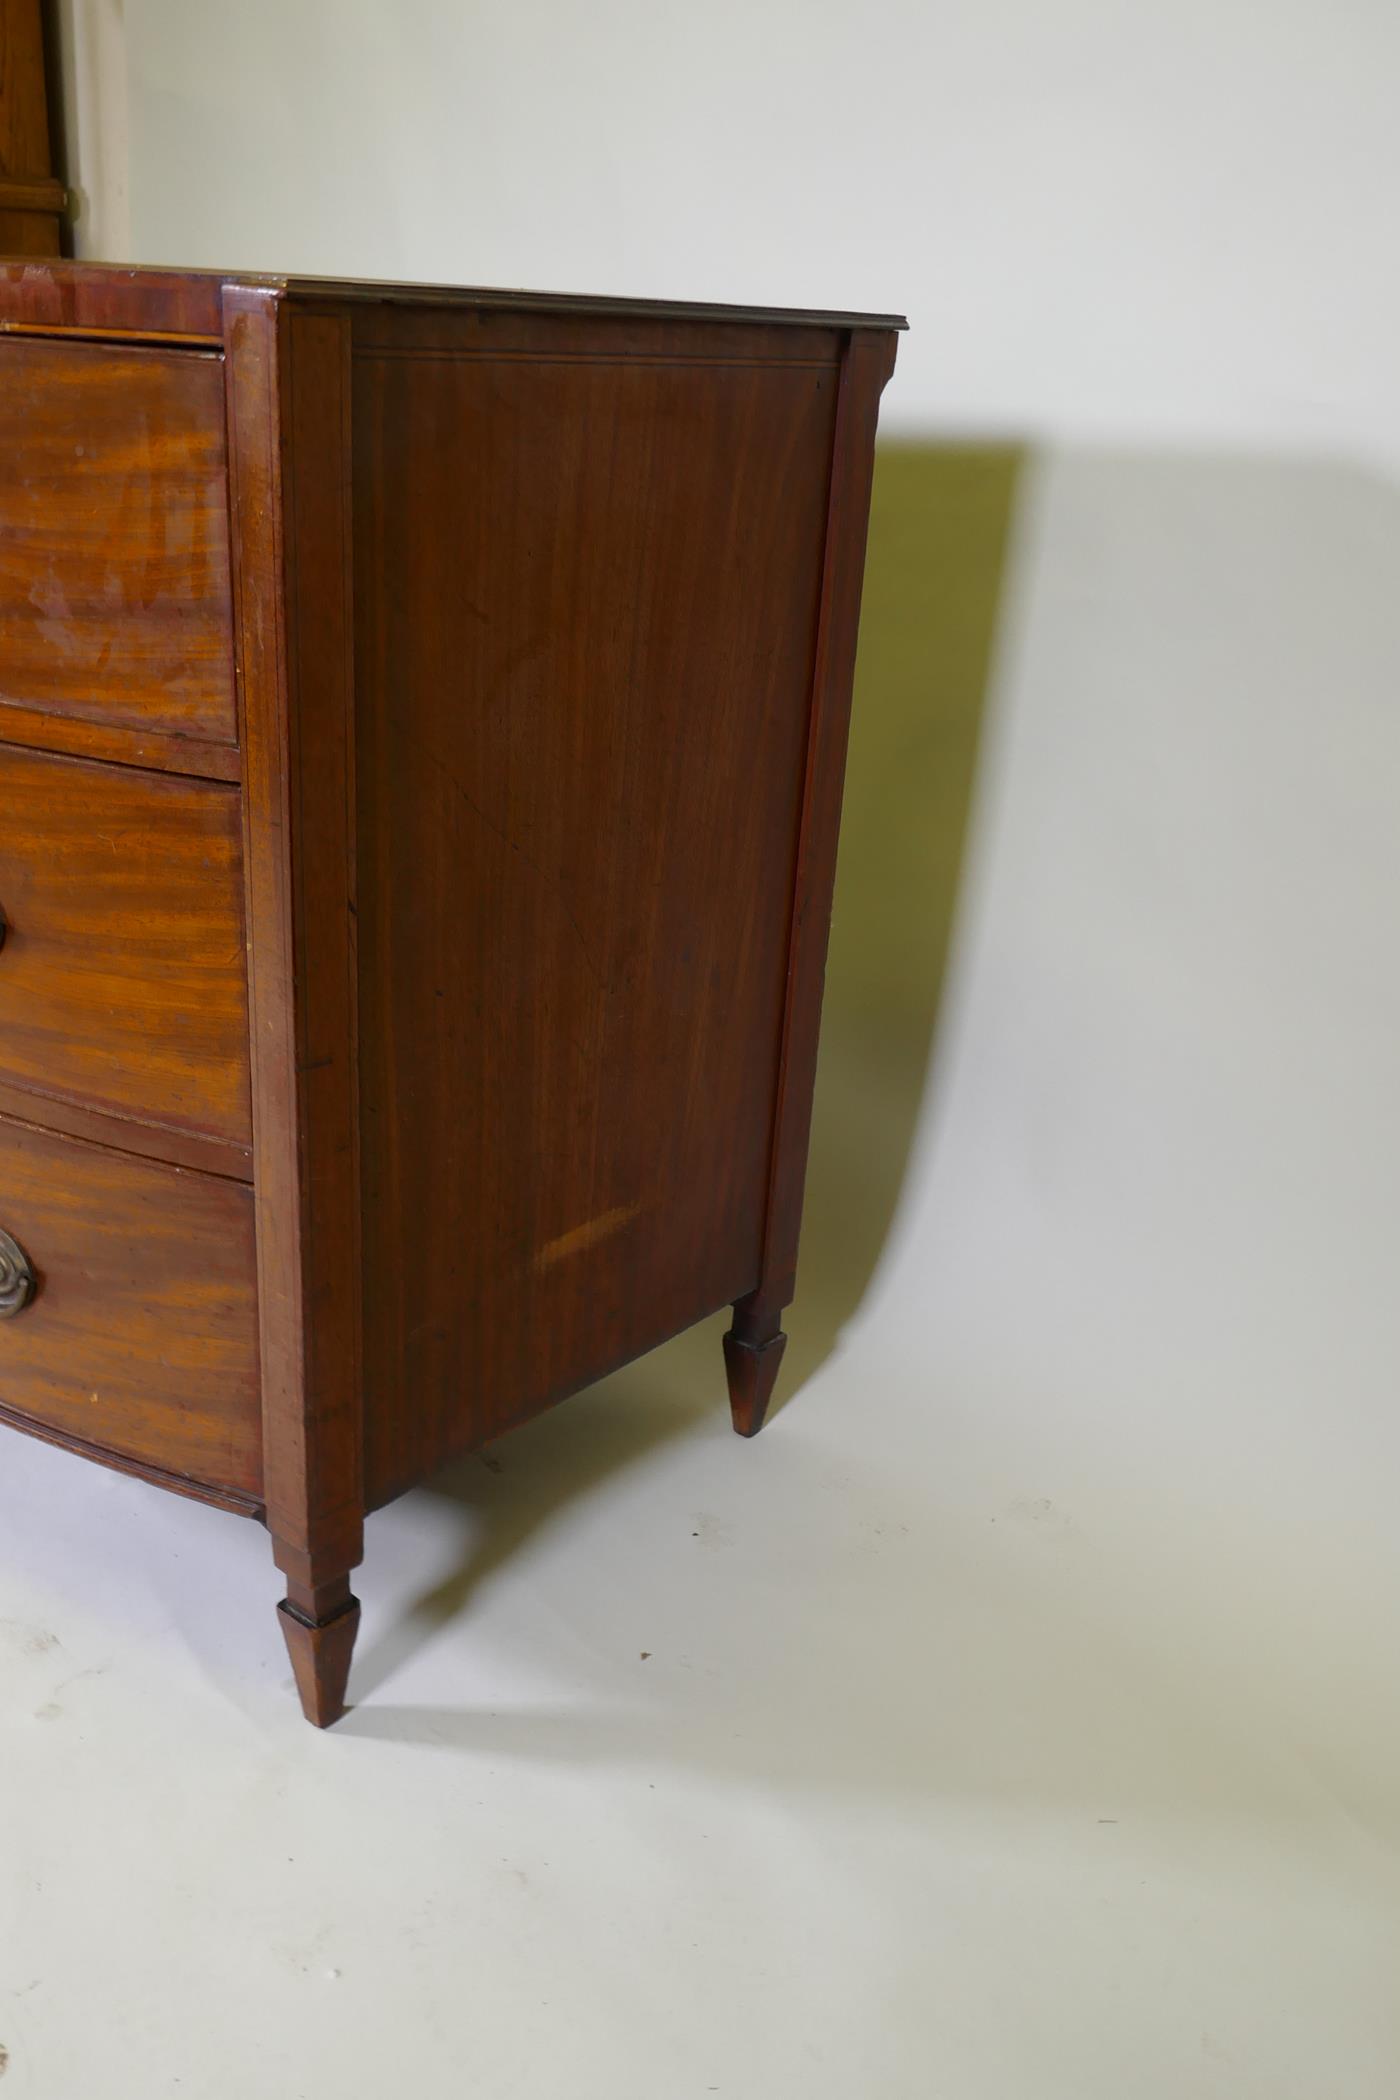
(585, 1235)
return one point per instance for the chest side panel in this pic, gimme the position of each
(587, 567)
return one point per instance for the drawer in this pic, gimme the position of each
(114, 543)
(141, 1333)
(123, 979)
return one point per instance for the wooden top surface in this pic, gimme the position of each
(51, 293)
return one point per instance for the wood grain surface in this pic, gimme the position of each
(864, 371)
(289, 412)
(584, 669)
(24, 113)
(114, 557)
(142, 1336)
(122, 973)
(32, 201)
(117, 299)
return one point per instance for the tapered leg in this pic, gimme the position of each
(319, 1626)
(753, 1350)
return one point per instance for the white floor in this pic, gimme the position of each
(1019, 1718)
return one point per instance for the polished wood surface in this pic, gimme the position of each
(24, 111)
(178, 1148)
(121, 746)
(522, 808)
(289, 441)
(755, 1340)
(584, 675)
(91, 302)
(142, 1335)
(114, 558)
(116, 298)
(752, 1370)
(122, 971)
(320, 1643)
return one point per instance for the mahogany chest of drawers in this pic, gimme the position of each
(422, 721)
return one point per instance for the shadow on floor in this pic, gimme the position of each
(940, 525)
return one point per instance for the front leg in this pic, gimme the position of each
(319, 1624)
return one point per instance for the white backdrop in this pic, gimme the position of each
(1021, 1718)
(1103, 220)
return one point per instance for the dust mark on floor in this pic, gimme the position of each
(34, 1640)
(711, 1531)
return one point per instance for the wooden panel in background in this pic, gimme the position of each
(32, 201)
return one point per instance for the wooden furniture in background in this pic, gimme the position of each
(422, 723)
(33, 201)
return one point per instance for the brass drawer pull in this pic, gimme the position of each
(17, 1278)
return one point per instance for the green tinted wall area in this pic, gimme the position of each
(939, 533)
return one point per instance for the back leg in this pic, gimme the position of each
(753, 1350)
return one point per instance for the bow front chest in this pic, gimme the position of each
(422, 721)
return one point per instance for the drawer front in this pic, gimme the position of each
(114, 541)
(140, 1335)
(123, 982)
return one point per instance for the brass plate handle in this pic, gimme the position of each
(17, 1277)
